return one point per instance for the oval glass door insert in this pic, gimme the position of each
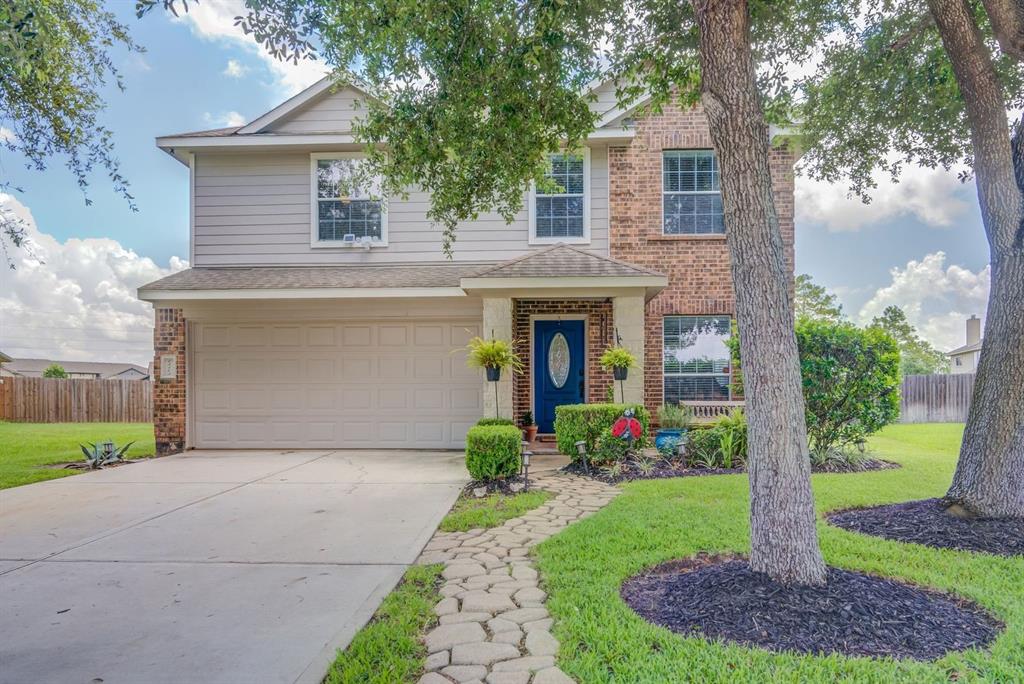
(558, 360)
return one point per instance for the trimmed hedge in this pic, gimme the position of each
(589, 422)
(493, 452)
(495, 421)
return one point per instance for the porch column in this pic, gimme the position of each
(498, 325)
(628, 317)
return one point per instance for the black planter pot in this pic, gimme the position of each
(620, 373)
(493, 374)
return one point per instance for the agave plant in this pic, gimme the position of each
(105, 453)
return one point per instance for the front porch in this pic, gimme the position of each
(563, 307)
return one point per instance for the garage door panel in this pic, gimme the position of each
(325, 384)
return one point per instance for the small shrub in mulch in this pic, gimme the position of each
(853, 614)
(926, 522)
(506, 485)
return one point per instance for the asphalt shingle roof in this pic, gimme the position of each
(563, 261)
(556, 261)
(292, 277)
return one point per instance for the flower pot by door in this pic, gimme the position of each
(493, 374)
(620, 373)
(530, 432)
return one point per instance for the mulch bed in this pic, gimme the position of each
(853, 614)
(662, 470)
(926, 522)
(630, 472)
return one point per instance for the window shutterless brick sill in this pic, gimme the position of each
(685, 238)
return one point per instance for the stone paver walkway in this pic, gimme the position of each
(494, 627)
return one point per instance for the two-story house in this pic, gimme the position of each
(315, 314)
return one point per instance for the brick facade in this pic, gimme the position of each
(600, 335)
(697, 266)
(169, 395)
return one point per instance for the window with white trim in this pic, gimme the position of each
(345, 204)
(697, 363)
(691, 196)
(561, 214)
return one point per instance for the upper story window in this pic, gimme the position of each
(562, 214)
(345, 208)
(697, 365)
(692, 199)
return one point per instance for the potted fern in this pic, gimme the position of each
(493, 356)
(618, 360)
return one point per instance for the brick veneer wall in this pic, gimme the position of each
(600, 333)
(169, 395)
(697, 266)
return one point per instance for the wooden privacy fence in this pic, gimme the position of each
(52, 400)
(936, 398)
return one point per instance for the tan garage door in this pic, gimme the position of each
(384, 384)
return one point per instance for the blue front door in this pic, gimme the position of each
(559, 369)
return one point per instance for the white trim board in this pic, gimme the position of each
(301, 293)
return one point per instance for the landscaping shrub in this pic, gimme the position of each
(493, 452)
(609, 449)
(494, 421)
(723, 445)
(590, 422)
(851, 379)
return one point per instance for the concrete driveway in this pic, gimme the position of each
(210, 566)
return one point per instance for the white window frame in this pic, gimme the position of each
(694, 375)
(585, 239)
(314, 201)
(661, 180)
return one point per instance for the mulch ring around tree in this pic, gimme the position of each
(926, 522)
(720, 597)
(629, 471)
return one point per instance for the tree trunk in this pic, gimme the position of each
(989, 477)
(1007, 19)
(783, 535)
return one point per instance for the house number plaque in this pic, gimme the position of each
(168, 367)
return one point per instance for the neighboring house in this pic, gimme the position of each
(4, 358)
(965, 359)
(311, 319)
(33, 368)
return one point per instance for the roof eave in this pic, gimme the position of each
(156, 295)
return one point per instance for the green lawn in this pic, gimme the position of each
(27, 448)
(602, 640)
(388, 649)
(490, 511)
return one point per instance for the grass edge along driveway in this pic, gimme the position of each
(26, 449)
(603, 640)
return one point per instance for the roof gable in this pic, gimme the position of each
(301, 104)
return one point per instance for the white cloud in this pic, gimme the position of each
(224, 119)
(7, 136)
(937, 299)
(75, 300)
(935, 197)
(235, 69)
(215, 20)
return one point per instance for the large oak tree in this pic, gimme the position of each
(471, 96)
(936, 82)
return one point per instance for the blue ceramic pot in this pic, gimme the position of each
(667, 438)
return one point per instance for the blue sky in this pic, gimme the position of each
(919, 245)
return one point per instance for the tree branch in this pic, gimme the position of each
(923, 23)
(1007, 19)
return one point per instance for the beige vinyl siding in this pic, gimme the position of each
(332, 113)
(254, 209)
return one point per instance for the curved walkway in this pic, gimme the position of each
(494, 627)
